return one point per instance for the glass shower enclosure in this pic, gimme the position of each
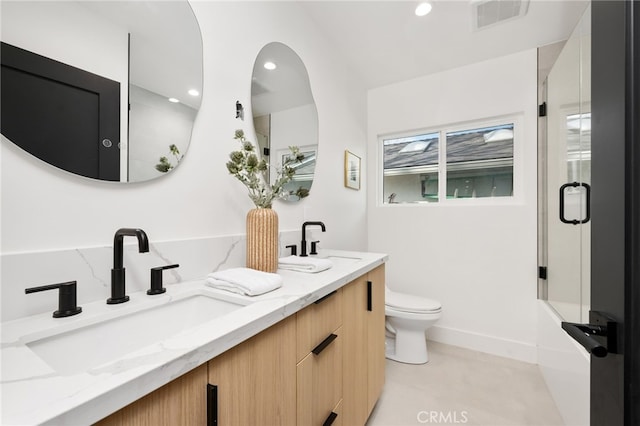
(565, 177)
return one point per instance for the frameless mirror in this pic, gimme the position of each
(104, 89)
(284, 113)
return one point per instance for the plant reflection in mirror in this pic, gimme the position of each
(248, 169)
(300, 192)
(165, 165)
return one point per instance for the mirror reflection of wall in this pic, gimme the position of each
(97, 37)
(155, 125)
(262, 125)
(284, 113)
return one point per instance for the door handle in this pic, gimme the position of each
(600, 337)
(587, 217)
(583, 333)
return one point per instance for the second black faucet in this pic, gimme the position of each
(303, 244)
(117, 273)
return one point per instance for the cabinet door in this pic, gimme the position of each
(317, 321)
(320, 383)
(375, 336)
(364, 339)
(355, 334)
(180, 402)
(256, 380)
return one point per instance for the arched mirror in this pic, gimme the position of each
(284, 113)
(103, 89)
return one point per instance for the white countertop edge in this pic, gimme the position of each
(102, 396)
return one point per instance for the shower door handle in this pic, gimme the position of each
(587, 217)
(600, 337)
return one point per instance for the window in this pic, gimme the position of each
(411, 168)
(471, 162)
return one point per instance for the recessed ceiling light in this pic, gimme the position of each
(174, 100)
(423, 9)
(270, 65)
(193, 92)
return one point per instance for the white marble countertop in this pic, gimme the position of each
(34, 393)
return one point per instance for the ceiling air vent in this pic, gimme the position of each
(487, 13)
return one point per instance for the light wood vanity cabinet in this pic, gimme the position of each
(180, 402)
(364, 338)
(256, 380)
(324, 365)
(255, 383)
(375, 336)
(319, 368)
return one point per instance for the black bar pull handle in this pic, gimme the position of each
(332, 417)
(583, 333)
(212, 405)
(323, 298)
(587, 217)
(369, 296)
(323, 345)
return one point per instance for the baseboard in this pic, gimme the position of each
(493, 345)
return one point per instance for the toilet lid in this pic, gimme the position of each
(410, 303)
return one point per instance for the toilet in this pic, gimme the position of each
(407, 319)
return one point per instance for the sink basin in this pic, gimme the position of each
(90, 346)
(343, 260)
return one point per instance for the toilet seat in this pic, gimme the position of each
(402, 302)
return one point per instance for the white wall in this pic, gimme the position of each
(478, 259)
(44, 208)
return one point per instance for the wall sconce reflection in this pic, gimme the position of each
(239, 111)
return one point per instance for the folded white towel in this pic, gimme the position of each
(244, 281)
(304, 264)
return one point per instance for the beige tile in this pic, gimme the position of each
(458, 386)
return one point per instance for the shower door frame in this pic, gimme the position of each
(615, 257)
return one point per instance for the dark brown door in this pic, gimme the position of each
(63, 115)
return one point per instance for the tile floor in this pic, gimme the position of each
(463, 387)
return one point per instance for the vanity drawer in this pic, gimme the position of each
(319, 388)
(317, 321)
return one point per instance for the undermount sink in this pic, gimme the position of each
(90, 346)
(342, 260)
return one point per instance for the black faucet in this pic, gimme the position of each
(117, 273)
(303, 244)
